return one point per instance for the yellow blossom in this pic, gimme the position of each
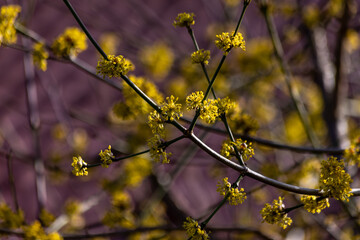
(275, 214)
(40, 55)
(201, 56)
(156, 123)
(70, 43)
(184, 20)
(224, 105)
(194, 230)
(225, 41)
(334, 181)
(245, 149)
(157, 150)
(8, 15)
(171, 110)
(10, 219)
(79, 166)
(236, 195)
(36, 232)
(106, 157)
(115, 66)
(194, 100)
(313, 205)
(209, 111)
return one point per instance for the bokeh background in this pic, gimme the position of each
(75, 113)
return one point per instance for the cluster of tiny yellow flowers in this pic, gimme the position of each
(40, 55)
(224, 105)
(334, 181)
(184, 20)
(226, 41)
(209, 109)
(245, 149)
(133, 104)
(352, 154)
(275, 214)
(35, 231)
(236, 195)
(201, 56)
(10, 219)
(106, 157)
(114, 66)
(194, 100)
(171, 110)
(313, 205)
(79, 167)
(157, 150)
(8, 15)
(194, 230)
(121, 213)
(70, 43)
(156, 123)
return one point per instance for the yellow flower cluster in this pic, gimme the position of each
(40, 55)
(236, 195)
(133, 104)
(120, 215)
(157, 150)
(201, 56)
(274, 214)
(184, 20)
(157, 59)
(35, 231)
(334, 181)
(194, 100)
(312, 205)
(70, 43)
(224, 105)
(10, 219)
(171, 110)
(79, 167)
(209, 109)
(194, 230)
(106, 157)
(352, 154)
(244, 148)
(225, 41)
(8, 15)
(156, 123)
(115, 66)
